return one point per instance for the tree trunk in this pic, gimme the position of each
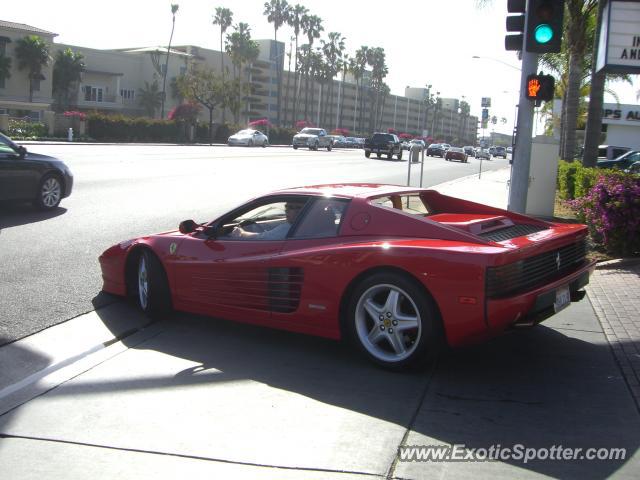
(571, 120)
(296, 89)
(593, 128)
(278, 75)
(286, 95)
(224, 110)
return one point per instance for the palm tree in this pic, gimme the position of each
(377, 60)
(242, 50)
(332, 50)
(287, 92)
(297, 17)
(312, 26)
(150, 98)
(277, 12)
(345, 63)
(224, 18)
(174, 9)
(67, 71)
(32, 53)
(360, 67)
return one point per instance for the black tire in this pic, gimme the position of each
(421, 343)
(49, 193)
(154, 299)
(367, 154)
(295, 147)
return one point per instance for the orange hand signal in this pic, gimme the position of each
(533, 87)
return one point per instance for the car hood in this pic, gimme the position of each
(305, 135)
(237, 136)
(38, 157)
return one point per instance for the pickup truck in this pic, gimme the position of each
(313, 138)
(383, 144)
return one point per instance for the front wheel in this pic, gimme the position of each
(367, 154)
(295, 147)
(154, 297)
(393, 321)
(49, 193)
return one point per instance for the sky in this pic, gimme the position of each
(427, 42)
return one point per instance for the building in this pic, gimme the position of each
(114, 79)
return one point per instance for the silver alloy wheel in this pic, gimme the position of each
(51, 192)
(143, 282)
(388, 323)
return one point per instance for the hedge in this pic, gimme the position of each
(575, 181)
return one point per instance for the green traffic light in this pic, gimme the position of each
(543, 33)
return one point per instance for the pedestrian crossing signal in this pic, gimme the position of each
(540, 87)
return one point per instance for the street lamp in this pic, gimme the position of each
(477, 57)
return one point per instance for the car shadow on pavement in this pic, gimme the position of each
(14, 215)
(538, 388)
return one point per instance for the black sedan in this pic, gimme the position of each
(27, 176)
(435, 150)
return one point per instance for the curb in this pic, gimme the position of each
(618, 263)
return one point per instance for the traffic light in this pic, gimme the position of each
(515, 23)
(544, 26)
(540, 87)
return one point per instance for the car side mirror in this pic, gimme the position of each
(22, 151)
(187, 226)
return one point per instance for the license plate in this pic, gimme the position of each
(563, 298)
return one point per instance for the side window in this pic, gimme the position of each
(322, 219)
(267, 221)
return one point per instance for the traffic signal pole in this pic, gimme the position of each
(521, 155)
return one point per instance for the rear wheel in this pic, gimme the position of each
(49, 192)
(295, 147)
(367, 154)
(393, 322)
(154, 297)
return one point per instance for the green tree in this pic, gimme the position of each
(174, 9)
(32, 53)
(5, 68)
(344, 66)
(358, 66)
(297, 18)
(223, 18)
(67, 71)
(376, 58)
(150, 98)
(203, 86)
(242, 50)
(333, 50)
(312, 27)
(277, 12)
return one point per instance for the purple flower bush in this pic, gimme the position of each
(611, 209)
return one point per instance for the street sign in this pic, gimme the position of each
(485, 114)
(486, 102)
(619, 47)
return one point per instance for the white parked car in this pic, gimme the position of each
(313, 138)
(249, 138)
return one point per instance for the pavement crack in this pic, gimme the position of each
(423, 395)
(186, 456)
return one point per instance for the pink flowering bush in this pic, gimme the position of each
(405, 136)
(263, 122)
(303, 124)
(392, 130)
(75, 114)
(185, 111)
(611, 209)
(341, 131)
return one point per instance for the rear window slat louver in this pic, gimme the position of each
(513, 231)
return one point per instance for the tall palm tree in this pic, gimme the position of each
(362, 54)
(312, 27)
(223, 18)
(32, 53)
(333, 50)
(67, 71)
(297, 17)
(242, 50)
(287, 92)
(345, 63)
(277, 12)
(174, 9)
(376, 58)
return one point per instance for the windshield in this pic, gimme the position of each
(311, 131)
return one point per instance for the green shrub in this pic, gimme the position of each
(20, 129)
(120, 128)
(566, 179)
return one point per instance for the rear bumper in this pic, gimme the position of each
(534, 306)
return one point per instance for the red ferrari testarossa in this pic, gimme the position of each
(400, 271)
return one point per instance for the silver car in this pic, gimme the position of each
(249, 138)
(313, 138)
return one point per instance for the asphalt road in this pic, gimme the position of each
(49, 271)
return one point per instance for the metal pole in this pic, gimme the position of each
(519, 182)
(409, 170)
(422, 167)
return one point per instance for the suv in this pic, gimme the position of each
(500, 152)
(313, 138)
(383, 144)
